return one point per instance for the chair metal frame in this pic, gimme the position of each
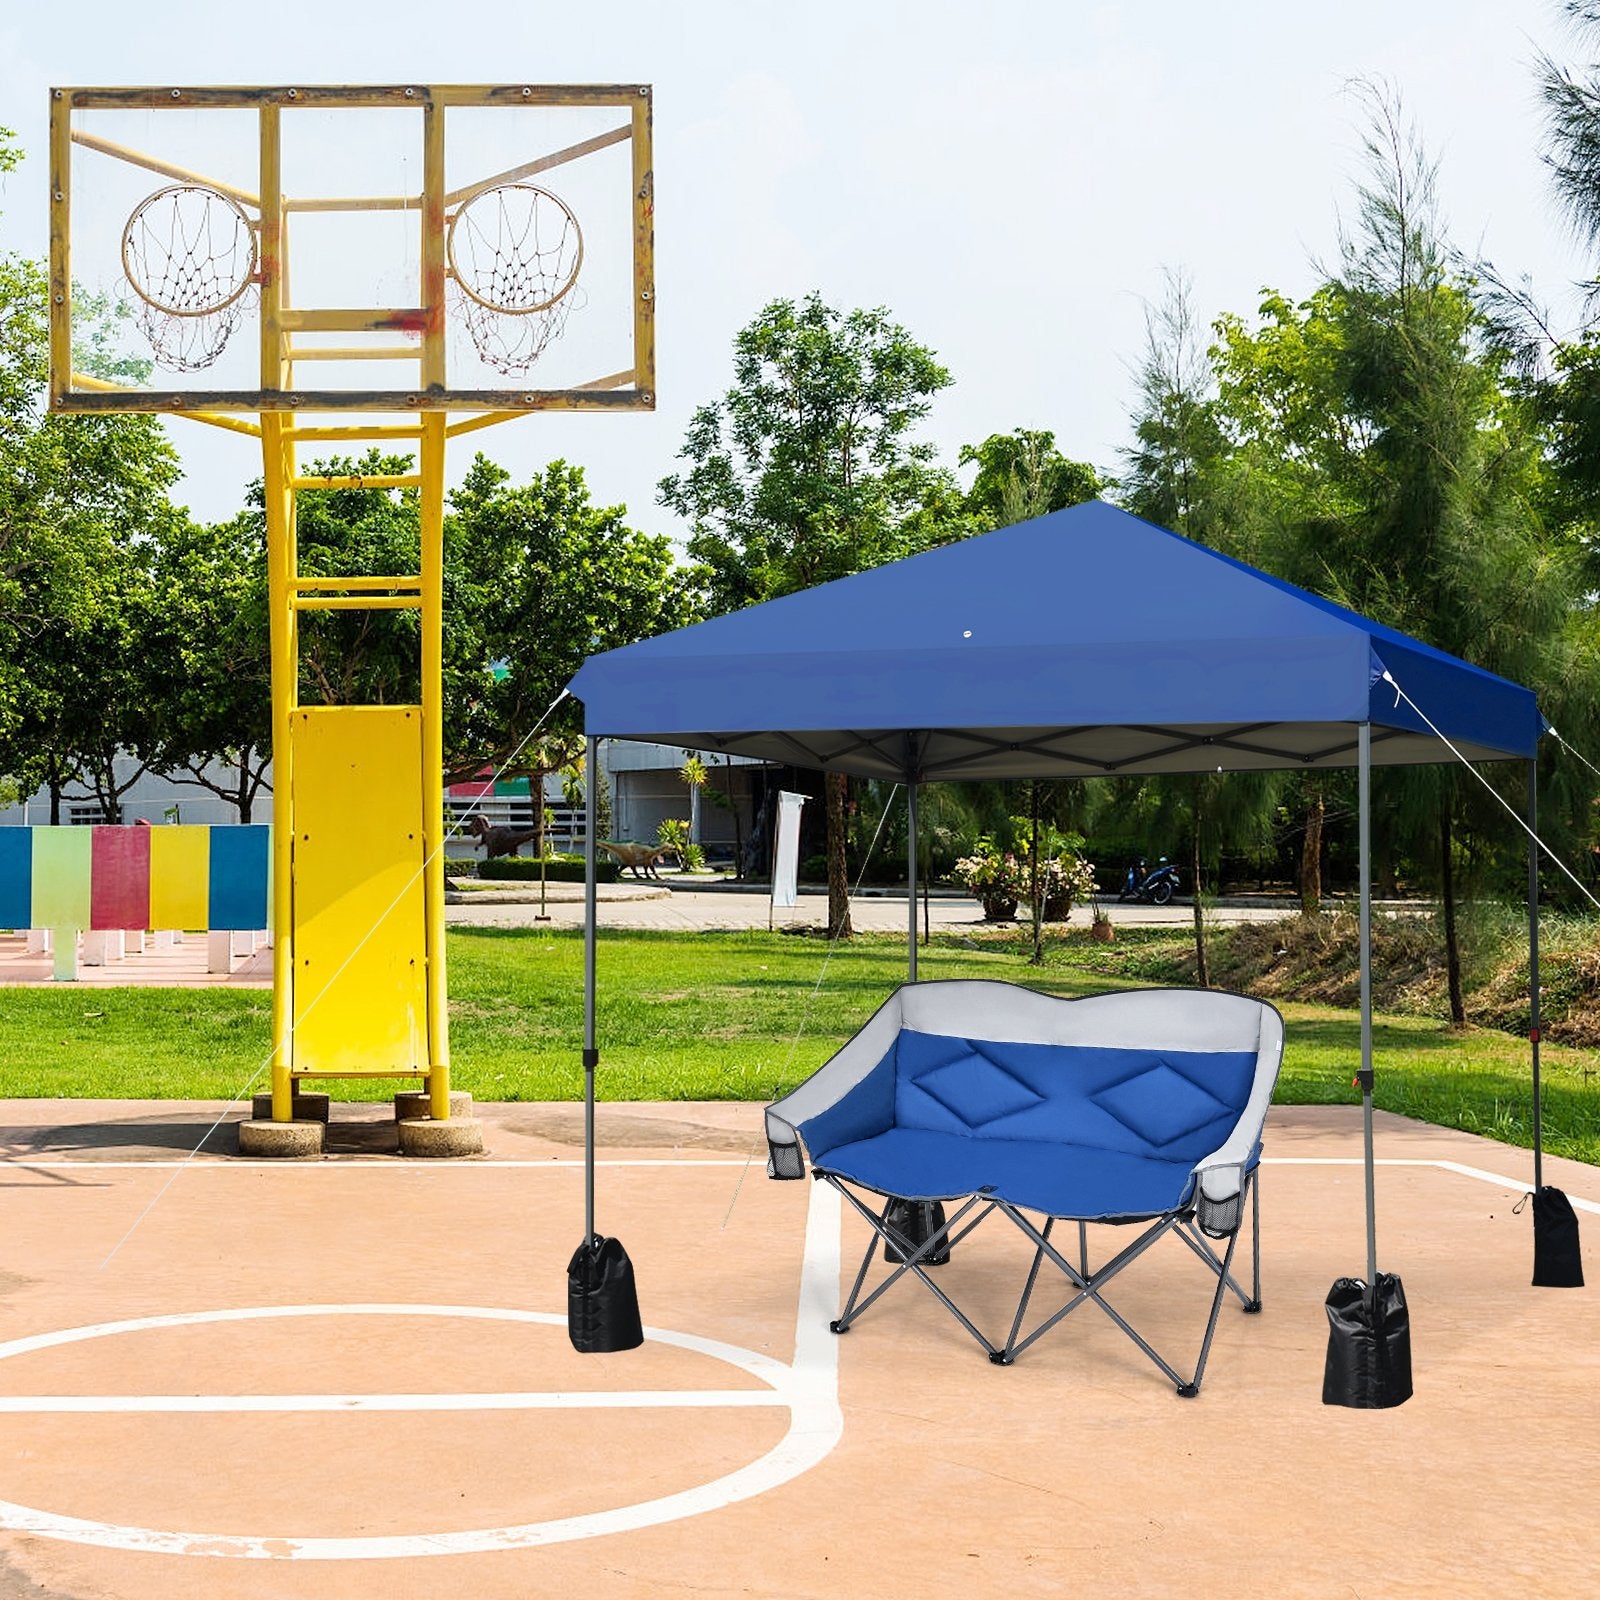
(1088, 1282)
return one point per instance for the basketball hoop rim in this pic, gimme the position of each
(233, 205)
(491, 305)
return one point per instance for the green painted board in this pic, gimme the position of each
(61, 858)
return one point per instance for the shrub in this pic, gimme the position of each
(558, 869)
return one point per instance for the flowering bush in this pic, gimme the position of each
(1003, 878)
(995, 877)
(1066, 879)
(988, 870)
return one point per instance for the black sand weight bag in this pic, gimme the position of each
(1369, 1344)
(1557, 1261)
(602, 1298)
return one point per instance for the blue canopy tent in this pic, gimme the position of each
(1086, 643)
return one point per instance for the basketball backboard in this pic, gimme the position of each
(312, 249)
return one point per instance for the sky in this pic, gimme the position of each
(1012, 182)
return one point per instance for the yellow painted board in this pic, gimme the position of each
(360, 974)
(180, 876)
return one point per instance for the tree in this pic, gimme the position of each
(1382, 456)
(807, 470)
(215, 714)
(1572, 127)
(1022, 474)
(537, 579)
(84, 502)
(84, 506)
(1173, 470)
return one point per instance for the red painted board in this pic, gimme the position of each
(119, 878)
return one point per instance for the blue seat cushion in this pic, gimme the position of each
(1057, 1179)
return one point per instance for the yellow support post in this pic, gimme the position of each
(433, 446)
(281, 563)
(432, 523)
(277, 469)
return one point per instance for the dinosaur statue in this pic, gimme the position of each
(642, 858)
(501, 841)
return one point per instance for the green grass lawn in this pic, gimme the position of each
(736, 1016)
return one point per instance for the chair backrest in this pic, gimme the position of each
(1180, 1074)
(1178, 1105)
(1166, 1072)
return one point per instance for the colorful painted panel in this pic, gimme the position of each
(61, 865)
(16, 878)
(238, 888)
(180, 876)
(119, 886)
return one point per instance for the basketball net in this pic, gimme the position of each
(190, 255)
(515, 252)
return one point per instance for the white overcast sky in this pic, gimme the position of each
(1010, 180)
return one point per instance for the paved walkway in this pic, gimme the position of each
(663, 907)
(872, 911)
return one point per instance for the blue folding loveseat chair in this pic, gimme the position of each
(1142, 1107)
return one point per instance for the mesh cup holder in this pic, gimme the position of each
(1219, 1218)
(784, 1161)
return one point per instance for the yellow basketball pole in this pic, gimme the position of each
(432, 521)
(280, 604)
(278, 501)
(432, 527)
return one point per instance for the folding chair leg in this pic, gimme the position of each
(1189, 1390)
(1090, 1288)
(1255, 1241)
(1004, 1358)
(848, 1314)
(1197, 1241)
(1203, 1250)
(913, 1262)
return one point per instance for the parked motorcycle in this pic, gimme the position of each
(1155, 887)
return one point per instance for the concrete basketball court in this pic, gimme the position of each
(351, 1377)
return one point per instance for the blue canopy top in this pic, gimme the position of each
(1082, 643)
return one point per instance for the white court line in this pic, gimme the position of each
(1499, 1179)
(808, 1387)
(539, 1400)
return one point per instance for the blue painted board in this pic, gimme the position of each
(16, 878)
(238, 892)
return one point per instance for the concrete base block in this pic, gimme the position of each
(460, 1136)
(411, 1103)
(281, 1138)
(308, 1106)
(39, 942)
(102, 946)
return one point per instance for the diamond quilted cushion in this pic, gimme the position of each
(976, 1089)
(1161, 1105)
(955, 1085)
